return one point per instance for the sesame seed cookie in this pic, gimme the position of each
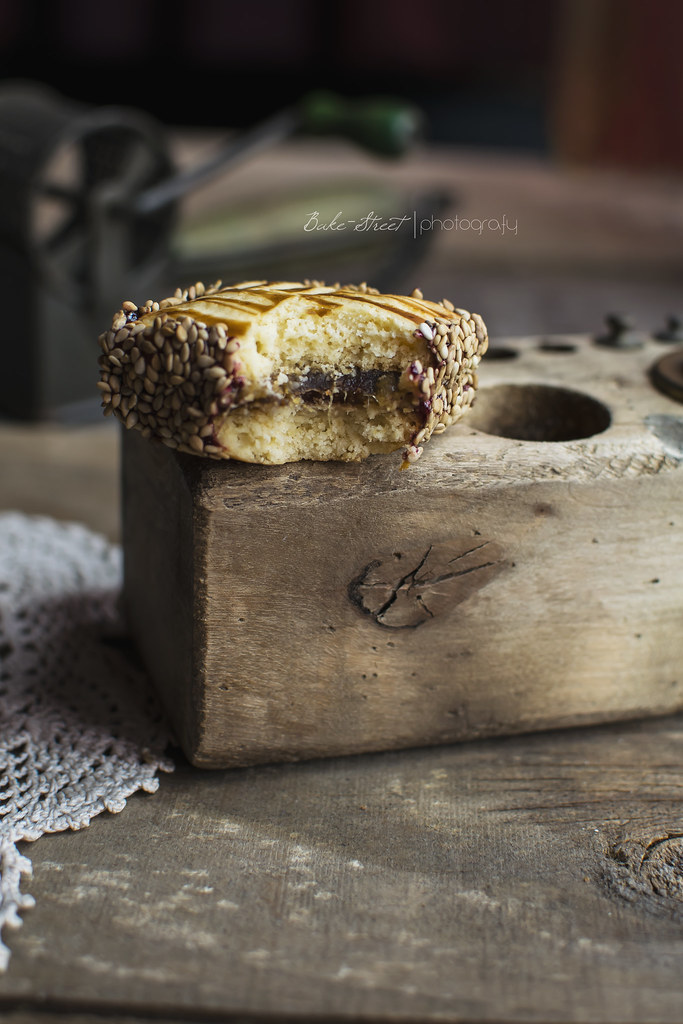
(276, 372)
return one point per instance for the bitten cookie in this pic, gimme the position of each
(275, 372)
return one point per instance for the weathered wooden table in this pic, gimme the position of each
(529, 879)
(536, 878)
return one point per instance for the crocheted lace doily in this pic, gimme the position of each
(80, 729)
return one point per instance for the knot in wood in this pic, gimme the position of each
(404, 589)
(649, 870)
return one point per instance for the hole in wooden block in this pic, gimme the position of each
(538, 412)
(501, 352)
(557, 347)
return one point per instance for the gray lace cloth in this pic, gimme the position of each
(80, 730)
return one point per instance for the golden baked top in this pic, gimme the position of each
(237, 305)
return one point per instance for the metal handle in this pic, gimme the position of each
(382, 125)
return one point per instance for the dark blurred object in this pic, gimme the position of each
(88, 202)
(478, 71)
(617, 93)
(621, 332)
(667, 376)
(64, 254)
(673, 331)
(595, 81)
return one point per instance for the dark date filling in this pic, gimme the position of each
(316, 386)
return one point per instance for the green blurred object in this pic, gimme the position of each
(380, 124)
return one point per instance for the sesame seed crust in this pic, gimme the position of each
(174, 376)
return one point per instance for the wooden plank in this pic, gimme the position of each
(517, 879)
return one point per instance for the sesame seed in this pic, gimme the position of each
(161, 369)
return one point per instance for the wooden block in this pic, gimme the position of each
(525, 574)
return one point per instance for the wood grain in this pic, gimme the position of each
(524, 574)
(488, 881)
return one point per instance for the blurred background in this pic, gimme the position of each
(563, 116)
(548, 171)
(596, 80)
